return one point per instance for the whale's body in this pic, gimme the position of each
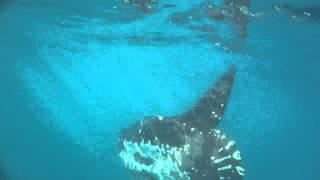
(186, 146)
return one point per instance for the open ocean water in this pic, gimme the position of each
(74, 73)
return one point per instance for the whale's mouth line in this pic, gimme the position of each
(143, 160)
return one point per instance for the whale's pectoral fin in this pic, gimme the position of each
(210, 108)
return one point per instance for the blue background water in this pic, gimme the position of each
(71, 79)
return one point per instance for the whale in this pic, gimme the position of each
(185, 146)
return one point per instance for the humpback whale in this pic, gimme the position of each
(186, 146)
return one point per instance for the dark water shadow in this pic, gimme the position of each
(3, 173)
(3, 3)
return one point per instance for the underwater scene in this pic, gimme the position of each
(159, 90)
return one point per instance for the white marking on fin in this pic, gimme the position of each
(240, 170)
(307, 14)
(225, 168)
(231, 143)
(236, 155)
(221, 159)
(160, 117)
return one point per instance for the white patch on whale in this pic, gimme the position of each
(166, 160)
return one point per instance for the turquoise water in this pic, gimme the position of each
(74, 74)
